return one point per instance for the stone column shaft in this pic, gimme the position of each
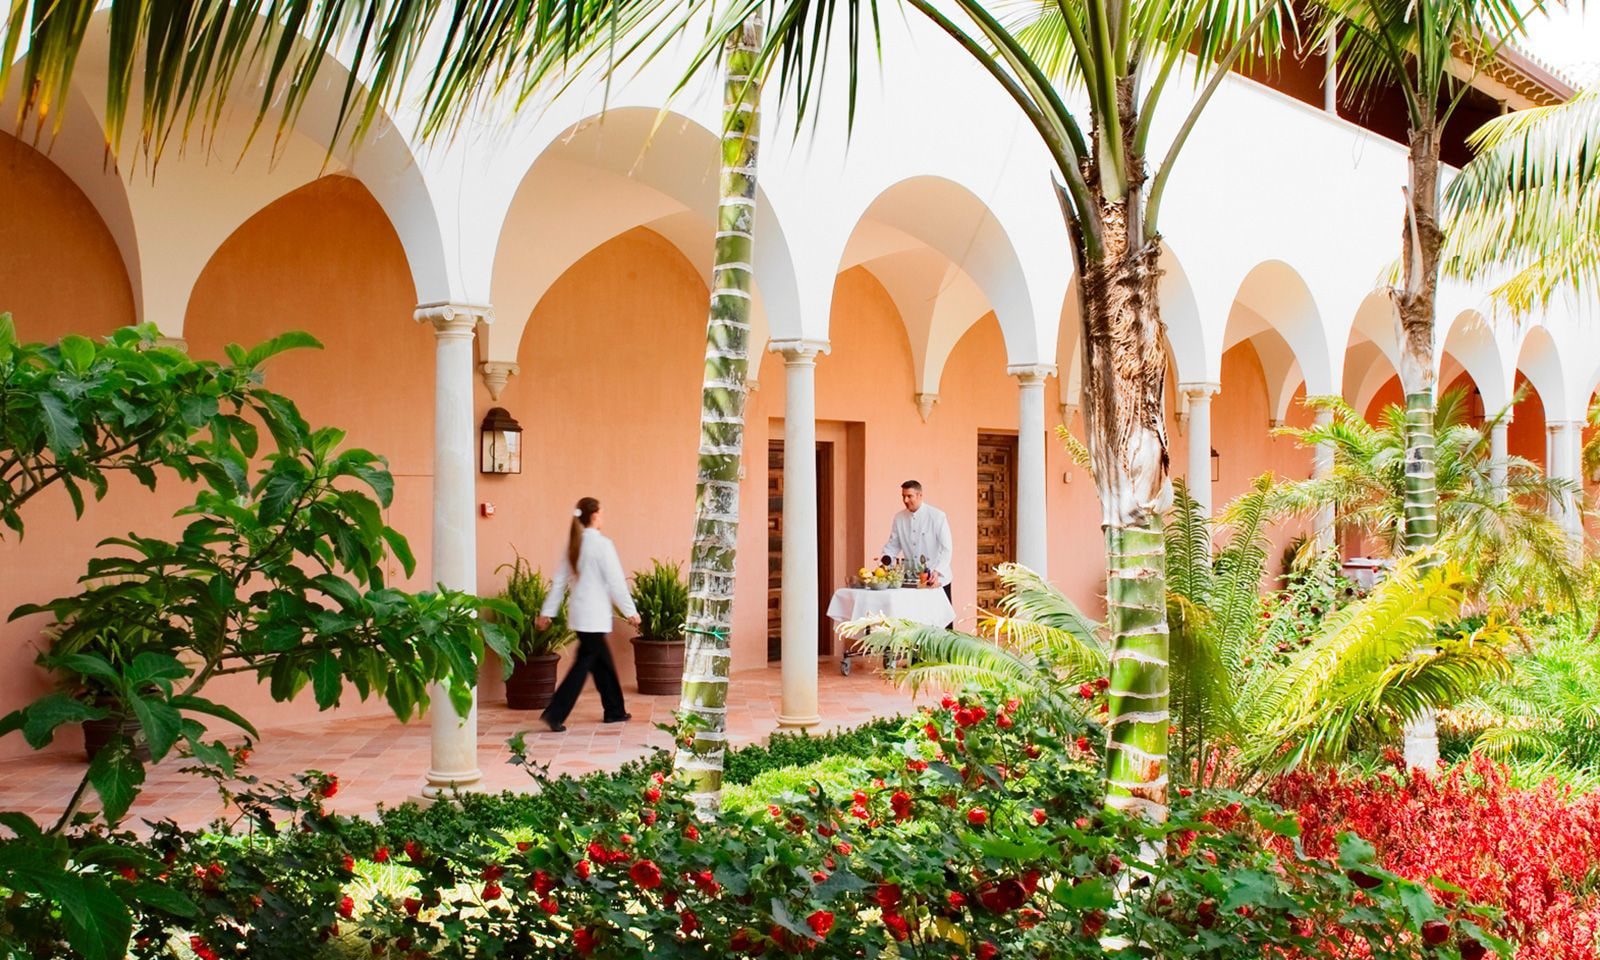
(1322, 468)
(1033, 540)
(1499, 455)
(1198, 472)
(799, 605)
(453, 766)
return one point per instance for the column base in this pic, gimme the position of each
(798, 723)
(444, 786)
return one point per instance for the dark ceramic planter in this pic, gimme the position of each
(98, 733)
(532, 682)
(658, 666)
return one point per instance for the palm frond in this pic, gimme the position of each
(1188, 535)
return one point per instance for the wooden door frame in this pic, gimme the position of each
(825, 511)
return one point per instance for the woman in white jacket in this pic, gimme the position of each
(593, 573)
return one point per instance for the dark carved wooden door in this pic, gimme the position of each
(775, 547)
(997, 517)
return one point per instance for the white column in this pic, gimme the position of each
(453, 766)
(1033, 541)
(800, 600)
(1499, 456)
(1322, 468)
(1198, 473)
(1565, 464)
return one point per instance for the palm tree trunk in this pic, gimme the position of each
(722, 400)
(1415, 304)
(1124, 378)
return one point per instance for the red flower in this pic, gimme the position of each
(380, 855)
(646, 874)
(916, 766)
(597, 853)
(1082, 743)
(1093, 922)
(523, 846)
(1004, 721)
(887, 896)
(820, 922)
(329, 787)
(413, 850)
(648, 817)
(491, 891)
(948, 702)
(977, 816)
(1032, 750)
(1086, 692)
(740, 941)
(581, 868)
(775, 810)
(412, 905)
(1101, 683)
(128, 873)
(542, 882)
(549, 905)
(583, 940)
(692, 832)
(901, 803)
(987, 951)
(817, 876)
(956, 899)
(492, 872)
(348, 863)
(201, 948)
(347, 907)
(932, 732)
(843, 848)
(965, 717)
(898, 927)
(1039, 816)
(688, 922)
(652, 794)
(705, 882)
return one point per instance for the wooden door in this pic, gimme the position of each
(775, 548)
(997, 517)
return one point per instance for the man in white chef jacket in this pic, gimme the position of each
(921, 530)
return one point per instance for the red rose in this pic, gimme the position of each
(1101, 683)
(128, 873)
(1086, 692)
(956, 899)
(932, 732)
(706, 882)
(380, 855)
(948, 702)
(492, 872)
(583, 940)
(652, 794)
(1082, 744)
(523, 846)
(843, 848)
(491, 891)
(648, 817)
(898, 927)
(412, 905)
(965, 717)
(775, 810)
(646, 874)
(916, 766)
(987, 951)
(1093, 922)
(817, 876)
(901, 803)
(329, 787)
(348, 863)
(820, 922)
(1435, 932)
(1004, 721)
(549, 905)
(977, 816)
(541, 882)
(1039, 816)
(347, 907)
(688, 922)
(413, 850)
(626, 840)
(597, 853)
(581, 868)
(740, 941)
(887, 895)
(201, 948)
(1032, 750)
(692, 832)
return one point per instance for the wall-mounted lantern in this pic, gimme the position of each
(1216, 465)
(502, 443)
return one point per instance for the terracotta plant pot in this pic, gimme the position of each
(532, 682)
(98, 733)
(658, 665)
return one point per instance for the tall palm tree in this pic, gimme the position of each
(1514, 553)
(1418, 50)
(1122, 55)
(1529, 201)
(722, 399)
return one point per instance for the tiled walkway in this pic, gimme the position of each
(379, 760)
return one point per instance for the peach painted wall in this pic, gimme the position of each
(60, 273)
(1527, 437)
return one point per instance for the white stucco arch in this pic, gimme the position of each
(170, 220)
(1273, 309)
(610, 173)
(946, 261)
(1470, 341)
(1539, 359)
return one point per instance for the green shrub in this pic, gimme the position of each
(527, 589)
(662, 597)
(798, 749)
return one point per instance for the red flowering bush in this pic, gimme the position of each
(1533, 854)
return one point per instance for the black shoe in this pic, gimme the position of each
(624, 718)
(554, 726)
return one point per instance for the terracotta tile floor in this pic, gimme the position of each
(379, 760)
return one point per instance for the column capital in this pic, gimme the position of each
(1194, 389)
(495, 373)
(449, 318)
(800, 351)
(1069, 413)
(1031, 373)
(925, 402)
(1557, 425)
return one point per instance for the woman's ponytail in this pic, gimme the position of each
(587, 508)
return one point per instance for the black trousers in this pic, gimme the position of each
(951, 597)
(593, 657)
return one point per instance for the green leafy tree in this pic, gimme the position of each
(1514, 553)
(1529, 202)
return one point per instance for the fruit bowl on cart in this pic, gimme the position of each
(883, 593)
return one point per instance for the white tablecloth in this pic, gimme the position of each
(929, 606)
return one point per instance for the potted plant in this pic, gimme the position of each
(533, 672)
(107, 716)
(662, 597)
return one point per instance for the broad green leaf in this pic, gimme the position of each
(60, 426)
(1094, 893)
(115, 773)
(150, 666)
(97, 922)
(160, 722)
(166, 899)
(200, 705)
(293, 340)
(401, 548)
(77, 352)
(327, 680)
(41, 718)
